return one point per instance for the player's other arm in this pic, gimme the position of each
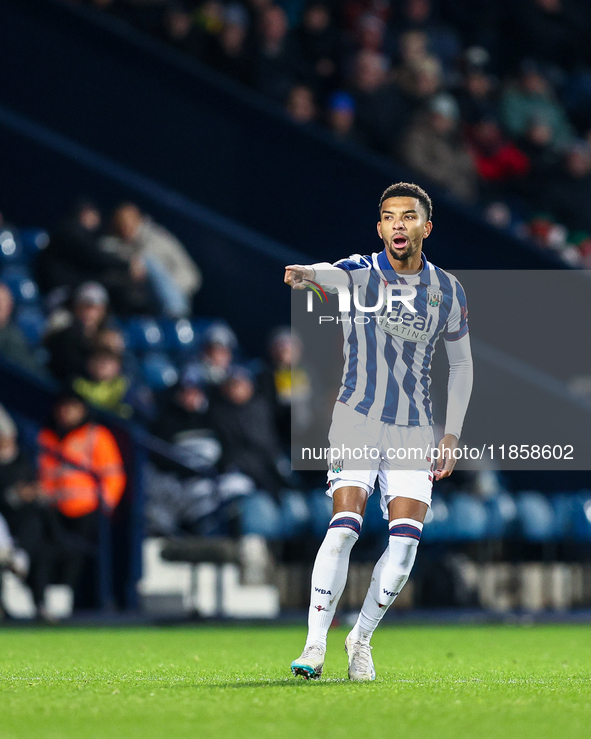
(459, 386)
(459, 389)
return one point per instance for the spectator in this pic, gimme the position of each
(544, 160)
(70, 346)
(371, 33)
(420, 82)
(80, 472)
(442, 40)
(569, 193)
(434, 148)
(13, 345)
(12, 558)
(552, 32)
(319, 44)
(354, 9)
(243, 421)
(73, 256)
(497, 160)
(105, 386)
(476, 96)
(111, 339)
(342, 117)
(173, 274)
(184, 420)
(301, 107)
(279, 64)
(232, 53)
(531, 97)
(215, 360)
(286, 384)
(179, 30)
(27, 519)
(191, 498)
(381, 110)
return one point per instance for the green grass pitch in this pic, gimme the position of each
(433, 683)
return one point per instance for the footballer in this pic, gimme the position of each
(384, 404)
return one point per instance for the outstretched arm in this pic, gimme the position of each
(298, 275)
(325, 274)
(459, 389)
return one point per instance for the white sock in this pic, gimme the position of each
(389, 576)
(329, 575)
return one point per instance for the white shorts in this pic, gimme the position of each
(399, 457)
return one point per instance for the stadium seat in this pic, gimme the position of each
(11, 250)
(158, 371)
(261, 515)
(179, 336)
(31, 321)
(295, 515)
(501, 515)
(537, 521)
(437, 522)
(143, 334)
(22, 286)
(468, 518)
(320, 506)
(33, 241)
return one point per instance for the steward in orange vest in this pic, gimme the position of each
(79, 462)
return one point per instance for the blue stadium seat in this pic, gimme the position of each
(158, 371)
(295, 515)
(373, 521)
(33, 241)
(143, 334)
(582, 516)
(260, 515)
(31, 321)
(22, 286)
(320, 506)
(563, 506)
(501, 515)
(468, 518)
(537, 520)
(437, 525)
(179, 335)
(11, 250)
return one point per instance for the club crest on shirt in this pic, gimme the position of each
(336, 466)
(434, 297)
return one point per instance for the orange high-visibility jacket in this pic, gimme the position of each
(73, 490)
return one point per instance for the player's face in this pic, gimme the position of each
(402, 226)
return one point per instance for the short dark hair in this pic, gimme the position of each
(408, 189)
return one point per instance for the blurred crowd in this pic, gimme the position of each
(490, 100)
(103, 293)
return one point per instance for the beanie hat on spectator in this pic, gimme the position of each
(92, 293)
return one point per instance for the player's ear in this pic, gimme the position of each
(379, 229)
(427, 229)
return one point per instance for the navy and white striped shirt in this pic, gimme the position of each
(388, 355)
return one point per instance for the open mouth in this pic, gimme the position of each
(399, 242)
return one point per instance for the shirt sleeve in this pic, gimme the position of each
(344, 273)
(457, 322)
(459, 385)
